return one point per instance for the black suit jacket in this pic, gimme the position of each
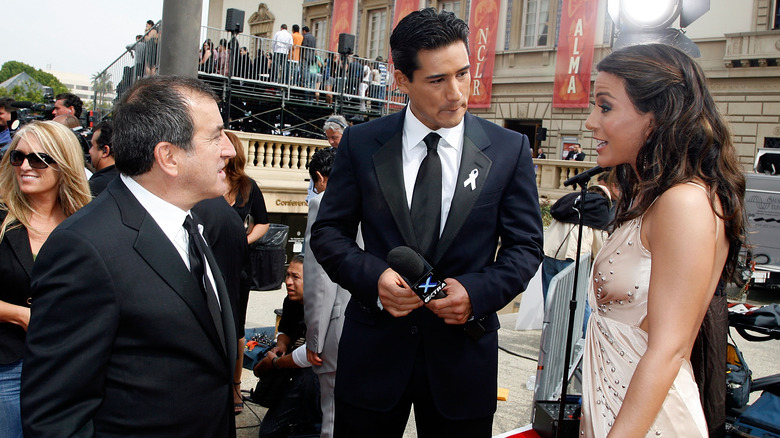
(16, 262)
(377, 352)
(121, 342)
(224, 231)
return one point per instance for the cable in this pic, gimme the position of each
(517, 354)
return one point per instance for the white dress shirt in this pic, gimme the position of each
(170, 219)
(414, 151)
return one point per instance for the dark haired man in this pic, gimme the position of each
(475, 185)
(101, 154)
(129, 290)
(5, 118)
(281, 45)
(67, 103)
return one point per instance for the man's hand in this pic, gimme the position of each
(266, 365)
(313, 358)
(455, 308)
(395, 295)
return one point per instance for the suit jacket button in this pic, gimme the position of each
(414, 330)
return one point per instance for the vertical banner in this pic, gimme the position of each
(575, 54)
(404, 8)
(483, 26)
(341, 21)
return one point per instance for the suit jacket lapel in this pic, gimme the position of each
(154, 247)
(472, 158)
(20, 245)
(388, 164)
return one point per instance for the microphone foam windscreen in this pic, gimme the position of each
(406, 262)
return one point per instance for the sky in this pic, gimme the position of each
(74, 36)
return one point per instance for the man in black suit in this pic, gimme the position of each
(124, 340)
(396, 352)
(101, 154)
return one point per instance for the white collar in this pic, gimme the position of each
(169, 217)
(415, 131)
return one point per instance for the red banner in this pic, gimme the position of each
(483, 26)
(575, 54)
(341, 21)
(404, 8)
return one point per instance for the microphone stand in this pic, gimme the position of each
(583, 183)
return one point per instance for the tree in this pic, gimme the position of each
(101, 85)
(13, 68)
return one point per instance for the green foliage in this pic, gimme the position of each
(545, 205)
(13, 68)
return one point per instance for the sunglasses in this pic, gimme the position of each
(36, 160)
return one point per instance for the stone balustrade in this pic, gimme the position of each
(278, 164)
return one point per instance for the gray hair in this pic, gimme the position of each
(335, 123)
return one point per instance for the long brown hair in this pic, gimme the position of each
(690, 139)
(238, 181)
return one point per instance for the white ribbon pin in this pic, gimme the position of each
(472, 180)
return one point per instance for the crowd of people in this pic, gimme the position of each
(109, 304)
(293, 59)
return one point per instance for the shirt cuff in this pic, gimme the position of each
(299, 357)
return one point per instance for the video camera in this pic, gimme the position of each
(28, 111)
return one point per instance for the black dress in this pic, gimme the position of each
(255, 206)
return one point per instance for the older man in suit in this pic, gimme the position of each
(450, 185)
(132, 332)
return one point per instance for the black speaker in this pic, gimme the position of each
(234, 21)
(346, 43)
(541, 133)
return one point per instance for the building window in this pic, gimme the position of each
(776, 24)
(536, 17)
(377, 24)
(450, 6)
(320, 30)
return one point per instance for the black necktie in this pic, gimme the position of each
(197, 253)
(426, 199)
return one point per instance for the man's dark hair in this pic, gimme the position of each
(5, 103)
(296, 28)
(150, 23)
(425, 29)
(71, 100)
(322, 162)
(298, 258)
(106, 133)
(284, 26)
(154, 110)
(305, 29)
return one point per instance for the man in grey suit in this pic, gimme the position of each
(132, 331)
(324, 301)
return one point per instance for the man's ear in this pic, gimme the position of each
(166, 155)
(401, 80)
(106, 151)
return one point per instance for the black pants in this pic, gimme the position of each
(356, 422)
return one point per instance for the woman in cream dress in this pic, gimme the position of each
(679, 227)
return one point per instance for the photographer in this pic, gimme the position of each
(67, 103)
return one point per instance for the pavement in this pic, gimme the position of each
(518, 352)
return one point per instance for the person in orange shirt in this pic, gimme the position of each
(295, 55)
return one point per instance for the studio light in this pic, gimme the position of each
(643, 21)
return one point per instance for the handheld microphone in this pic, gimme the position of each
(417, 272)
(583, 176)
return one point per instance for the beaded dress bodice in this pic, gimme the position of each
(614, 342)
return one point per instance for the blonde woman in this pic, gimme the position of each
(42, 182)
